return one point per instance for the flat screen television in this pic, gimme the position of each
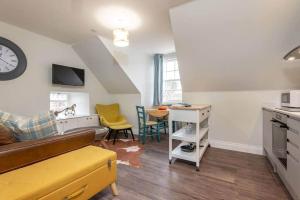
(64, 75)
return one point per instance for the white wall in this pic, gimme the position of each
(139, 67)
(226, 45)
(29, 94)
(128, 103)
(236, 117)
(230, 55)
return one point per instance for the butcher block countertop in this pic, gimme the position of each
(193, 107)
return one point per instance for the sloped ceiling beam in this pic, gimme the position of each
(104, 66)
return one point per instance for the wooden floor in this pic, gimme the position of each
(223, 175)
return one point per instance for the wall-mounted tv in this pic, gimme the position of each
(64, 75)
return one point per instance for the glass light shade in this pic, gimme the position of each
(121, 37)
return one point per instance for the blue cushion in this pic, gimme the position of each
(36, 127)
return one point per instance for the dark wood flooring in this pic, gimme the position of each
(223, 174)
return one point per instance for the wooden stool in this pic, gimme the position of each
(118, 128)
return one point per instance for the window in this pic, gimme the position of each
(172, 92)
(58, 101)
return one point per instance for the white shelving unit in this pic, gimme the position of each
(197, 133)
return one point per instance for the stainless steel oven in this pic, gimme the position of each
(279, 137)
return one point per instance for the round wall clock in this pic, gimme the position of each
(12, 60)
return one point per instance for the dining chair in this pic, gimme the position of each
(144, 125)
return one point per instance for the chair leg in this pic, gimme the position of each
(131, 134)
(116, 135)
(140, 135)
(109, 134)
(144, 135)
(125, 133)
(151, 132)
(158, 132)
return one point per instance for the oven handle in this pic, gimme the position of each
(279, 125)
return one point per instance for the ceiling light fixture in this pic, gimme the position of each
(291, 58)
(121, 37)
(293, 55)
(121, 20)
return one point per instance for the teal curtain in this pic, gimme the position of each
(158, 79)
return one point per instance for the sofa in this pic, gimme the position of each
(59, 167)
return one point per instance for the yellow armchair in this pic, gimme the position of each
(110, 115)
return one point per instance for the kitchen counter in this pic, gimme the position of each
(192, 107)
(295, 115)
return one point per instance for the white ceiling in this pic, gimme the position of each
(71, 21)
(237, 44)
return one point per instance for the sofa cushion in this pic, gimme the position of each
(40, 179)
(36, 127)
(6, 135)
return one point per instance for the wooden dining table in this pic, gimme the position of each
(157, 113)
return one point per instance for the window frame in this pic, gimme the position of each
(168, 58)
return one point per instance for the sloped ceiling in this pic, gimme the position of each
(237, 45)
(71, 21)
(104, 66)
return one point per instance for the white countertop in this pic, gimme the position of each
(291, 114)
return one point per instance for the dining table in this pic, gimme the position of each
(156, 113)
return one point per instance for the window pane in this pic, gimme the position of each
(58, 105)
(176, 76)
(170, 75)
(58, 97)
(176, 66)
(172, 91)
(170, 66)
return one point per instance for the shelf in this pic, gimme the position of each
(187, 135)
(190, 156)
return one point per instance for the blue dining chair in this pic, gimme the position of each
(144, 125)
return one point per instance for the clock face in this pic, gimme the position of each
(12, 60)
(8, 59)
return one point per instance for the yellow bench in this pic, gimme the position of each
(79, 174)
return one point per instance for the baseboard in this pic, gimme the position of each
(237, 147)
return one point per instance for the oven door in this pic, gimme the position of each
(285, 99)
(279, 143)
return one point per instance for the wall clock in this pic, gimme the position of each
(12, 60)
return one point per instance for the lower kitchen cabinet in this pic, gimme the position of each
(290, 174)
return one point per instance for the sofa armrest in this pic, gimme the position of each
(20, 154)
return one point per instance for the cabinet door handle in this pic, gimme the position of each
(287, 140)
(287, 152)
(202, 113)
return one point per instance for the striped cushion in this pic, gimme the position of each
(36, 127)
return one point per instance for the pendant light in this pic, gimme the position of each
(120, 37)
(293, 55)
